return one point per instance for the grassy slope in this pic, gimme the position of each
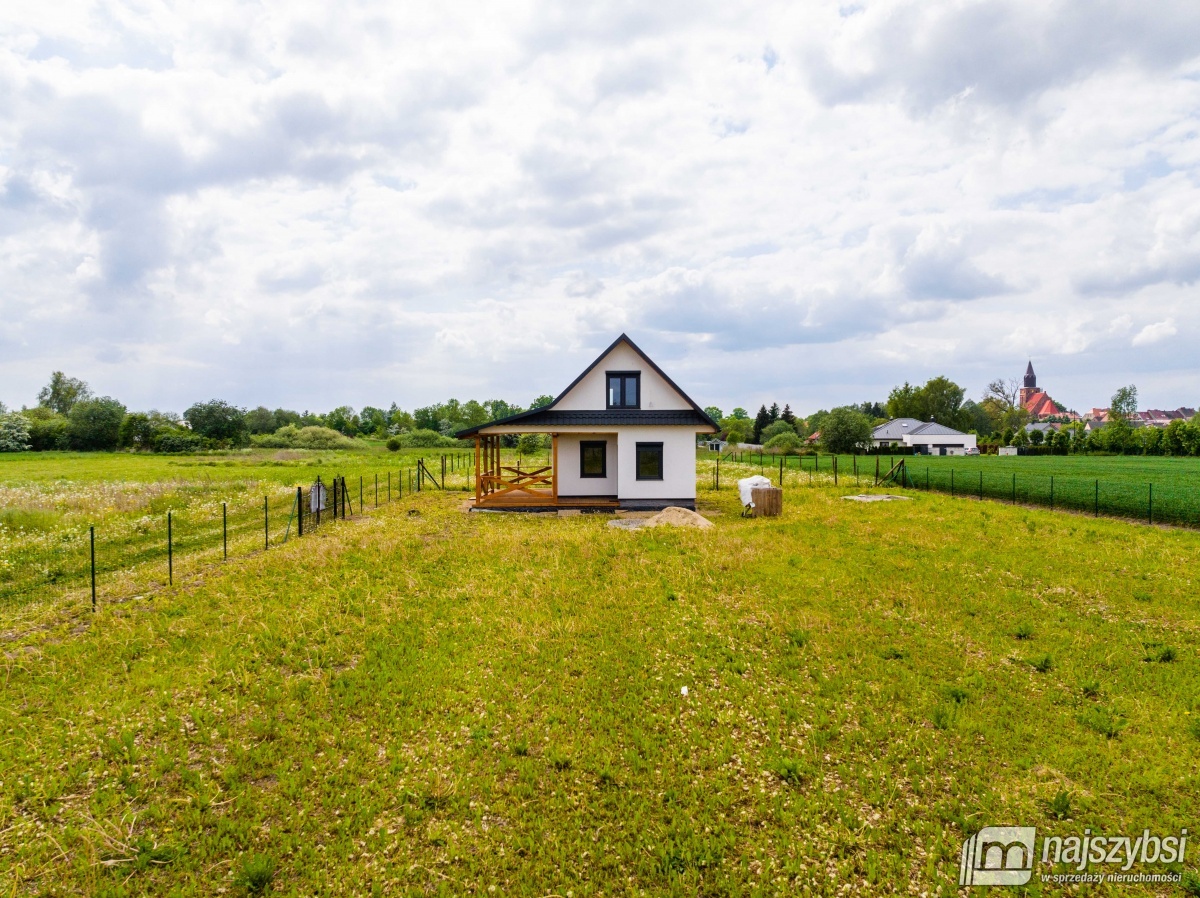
(444, 703)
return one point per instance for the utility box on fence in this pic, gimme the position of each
(768, 501)
(316, 497)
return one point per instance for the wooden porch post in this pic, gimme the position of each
(554, 467)
(476, 469)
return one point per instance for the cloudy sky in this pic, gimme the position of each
(301, 205)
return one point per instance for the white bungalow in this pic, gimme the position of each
(924, 437)
(622, 435)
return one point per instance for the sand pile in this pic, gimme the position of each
(678, 517)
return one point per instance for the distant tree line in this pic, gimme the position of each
(996, 419)
(69, 416)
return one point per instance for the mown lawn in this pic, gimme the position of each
(430, 702)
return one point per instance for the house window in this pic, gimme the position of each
(624, 389)
(593, 458)
(649, 463)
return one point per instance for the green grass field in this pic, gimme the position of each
(424, 701)
(1162, 490)
(219, 503)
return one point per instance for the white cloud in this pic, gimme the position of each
(1155, 333)
(782, 200)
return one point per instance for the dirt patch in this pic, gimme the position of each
(668, 517)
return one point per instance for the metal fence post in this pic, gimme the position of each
(835, 470)
(1014, 498)
(951, 483)
(981, 486)
(299, 511)
(225, 530)
(170, 554)
(1097, 506)
(1051, 492)
(360, 492)
(376, 490)
(1150, 506)
(266, 525)
(319, 503)
(92, 534)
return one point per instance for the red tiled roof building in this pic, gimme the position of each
(1036, 401)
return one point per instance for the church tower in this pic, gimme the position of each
(1030, 387)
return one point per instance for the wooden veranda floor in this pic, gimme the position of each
(543, 500)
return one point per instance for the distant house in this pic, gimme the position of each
(1156, 417)
(1045, 427)
(1153, 417)
(924, 437)
(622, 435)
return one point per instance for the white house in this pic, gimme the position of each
(925, 437)
(622, 435)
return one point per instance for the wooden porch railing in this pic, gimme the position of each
(499, 483)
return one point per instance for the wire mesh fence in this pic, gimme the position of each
(1161, 502)
(123, 555)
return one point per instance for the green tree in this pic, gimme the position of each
(474, 413)
(941, 400)
(263, 420)
(737, 430)
(976, 418)
(773, 430)
(95, 424)
(344, 420)
(872, 410)
(531, 444)
(1174, 442)
(373, 420)
(1149, 440)
(218, 421)
(786, 442)
(713, 412)
(1036, 437)
(137, 431)
(761, 420)
(739, 412)
(1124, 403)
(815, 422)
(788, 415)
(845, 429)
(47, 429)
(285, 416)
(905, 402)
(1191, 437)
(1020, 438)
(1118, 432)
(542, 401)
(63, 392)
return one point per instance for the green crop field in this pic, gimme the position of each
(423, 701)
(1154, 489)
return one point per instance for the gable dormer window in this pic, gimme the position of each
(624, 389)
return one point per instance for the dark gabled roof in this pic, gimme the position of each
(544, 416)
(548, 417)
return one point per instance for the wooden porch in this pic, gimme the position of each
(498, 485)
